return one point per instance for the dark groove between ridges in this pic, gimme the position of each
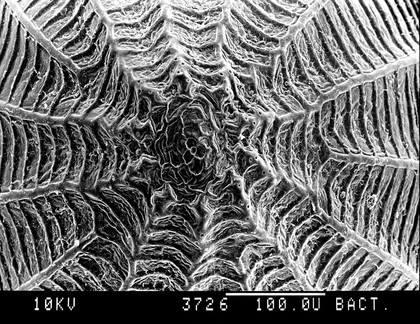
(352, 37)
(79, 36)
(67, 25)
(344, 48)
(411, 106)
(390, 31)
(221, 233)
(167, 254)
(81, 165)
(340, 41)
(365, 34)
(39, 92)
(6, 40)
(384, 190)
(377, 28)
(55, 266)
(13, 56)
(43, 10)
(77, 39)
(399, 27)
(315, 57)
(30, 4)
(100, 224)
(402, 165)
(399, 130)
(294, 272)
(363, 120)
(35, 32)
(407, 20)
(67, 7)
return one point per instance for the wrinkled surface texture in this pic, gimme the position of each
(209, 145)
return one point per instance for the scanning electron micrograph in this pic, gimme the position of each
(233, 145)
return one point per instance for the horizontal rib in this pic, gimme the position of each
(403, 163)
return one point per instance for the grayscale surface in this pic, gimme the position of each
(209, 145)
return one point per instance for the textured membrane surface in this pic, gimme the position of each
(209, 145)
